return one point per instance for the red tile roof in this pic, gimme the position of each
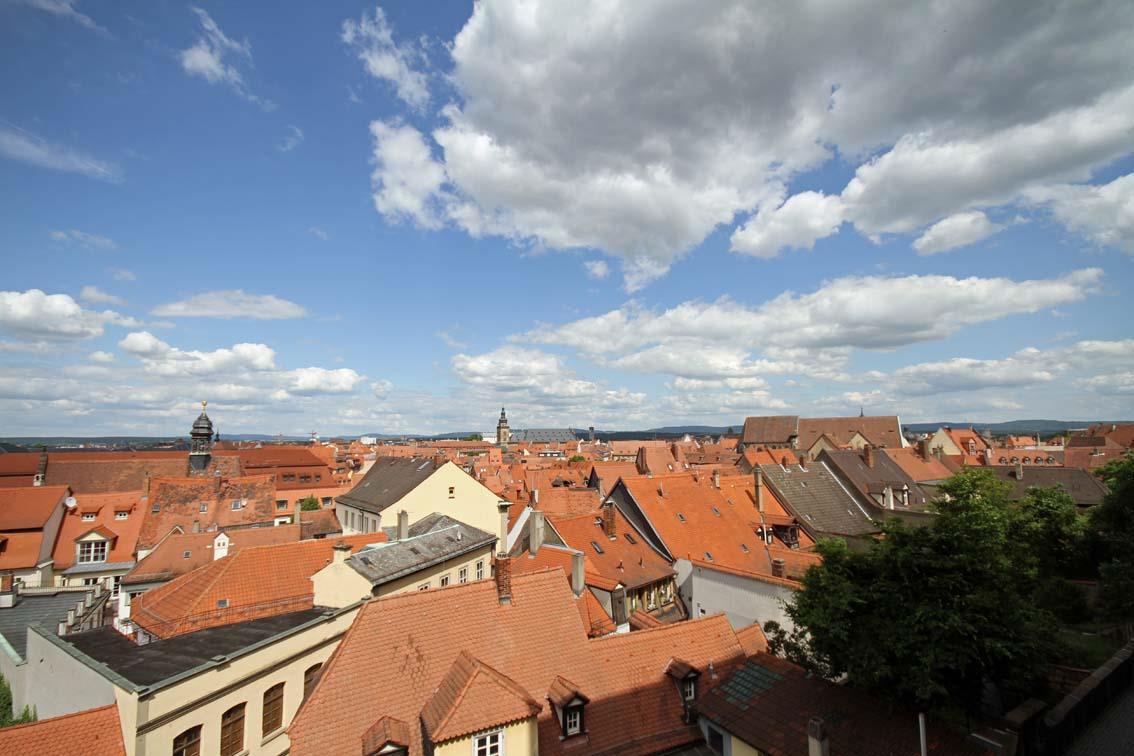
(631, 564)
(168, 560)
(21, 549)
(29, 508)
(473, 696)
(917, 467)
(94, 732)
(400, 648)
(752, 639)
(568, 501)
(879, 430)
(122, 534)
(179, 502)
(256, 582)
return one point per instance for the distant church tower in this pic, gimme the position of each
(201, 443)
(503, 432)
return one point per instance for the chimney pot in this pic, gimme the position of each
(817, 742)
(339, 552)
(403, 525)
(778, 565)
(577, 580)
(608, 527)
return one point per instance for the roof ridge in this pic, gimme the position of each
(13, 728)
(686, 624)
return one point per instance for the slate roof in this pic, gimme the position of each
(43, 609)
(1084, 488)
(259, 581)
(432, 540)
(400, 649)
(768, 701)
(769, 429)
(871, 482)
(543, 435)
(94, 732)
(818, 501)
(161, 659)
(387, 482)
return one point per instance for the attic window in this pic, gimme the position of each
(236, 504)
(222, 603)
(689, 688)
(452, 491)
(716, 511)
(155, 508)
(709, 556)
(598, 549)
(121, 515)
(186, 554)
(203, 507)
(744, 547)
(88, 517)
(629, 538)
(681, 517)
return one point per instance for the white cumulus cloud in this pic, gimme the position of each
(958, 230)
(232, 303)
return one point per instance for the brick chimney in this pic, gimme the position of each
(778, 565)
(817, 742)
(536, 531)
(146, 485)
(403, 525)
(503, 576)
(759, 475)
(578, 581)
(608, 527)
(803, 460)
(868, 455)
(923, 448)
(339, 552)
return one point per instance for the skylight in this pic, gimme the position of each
(598, 549)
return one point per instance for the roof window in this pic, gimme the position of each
(716, 511)
(629, 537)
(709, 555)
(186, 554)
(744, 547)
(681, 517)
(598, 549)
(155, 508)
(222, 603)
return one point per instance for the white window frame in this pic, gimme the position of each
(489, 744)
(121, 515)
(444, 580)
(688, 689)
(424, 586)
(573, 727)
(463, 575)
(88, 516)
(480, 569)
(90, 558)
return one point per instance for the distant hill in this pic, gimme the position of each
(1013, 427)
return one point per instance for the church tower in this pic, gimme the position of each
(201, 443)
(503, 432)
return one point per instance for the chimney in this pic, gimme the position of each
(778, 567)
(803, 460)
(888, 497)
(661, 489)
(923, 448)
(403, 525)
(41, 471)
(504, 578)
(146, 485)
(577, 580)
(502, 536)
(939, 452)
(339, 552)
(535, 531)
(716, 479)
(868, 455)
(535, 498)
(817, 742)
(608, 519)
(759, 490)
(988, 455)
(1019, 471)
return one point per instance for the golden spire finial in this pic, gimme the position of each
(204, 403)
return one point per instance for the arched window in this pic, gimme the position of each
(188, 743)
(232, 731)
(310, 677)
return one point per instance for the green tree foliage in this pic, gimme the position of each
(309, 504)
(1112, 535)
(473, 437)
(6, 718)
(930, 615)
(577, 458)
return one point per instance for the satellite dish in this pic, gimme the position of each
(70, 502)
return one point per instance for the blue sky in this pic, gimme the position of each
(350, 217)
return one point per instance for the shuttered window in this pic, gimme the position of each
(232, 731)
(273, 709)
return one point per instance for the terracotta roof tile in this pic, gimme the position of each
(208, 501)
(29, 508)
(473, 696)
(94, 732)
(620, 561)
(387, 731)
(169, 559)
(752, 639)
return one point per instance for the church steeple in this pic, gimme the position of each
(200, 442)
(503, 432)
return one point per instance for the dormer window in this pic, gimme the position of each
(568, 703)
(689, 689)
(121, 515)
(92, 552)
(203, 507)
(88, 517)
(155, 508)
(573, 720)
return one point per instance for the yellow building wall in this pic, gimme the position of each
(196, 701)
(740, 748)
(471, 502)
(520, 739)
(433, 575)
(339, 585)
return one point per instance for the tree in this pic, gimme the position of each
(309, 504)
(6, 718)
(928, 615)
(577, 458)
(473, 437)
(1111, 529)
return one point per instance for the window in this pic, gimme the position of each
(155, 508)
(452, 491)
(121, 515)
(479, 569)
(463, 575)
(289, 478)
(318, 478)
(235, 504)
(115, 585)
(709, 556)
(423, 587)
(186, 554)
(222, 603)
(629, 537)
(232, 731)
(92, 551)
(491, 744)
(203, 508)
(273, 709)
(304, 478)
(310, 677)
(88, 517)
(444, 580)
(716, 511)
(90, 581)
(716, 740)
(281, 503)
(680, 517)
(744, 547)
(573, 721)
(188, 743)
(597, 548)
(326, 501)
(689, 689)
